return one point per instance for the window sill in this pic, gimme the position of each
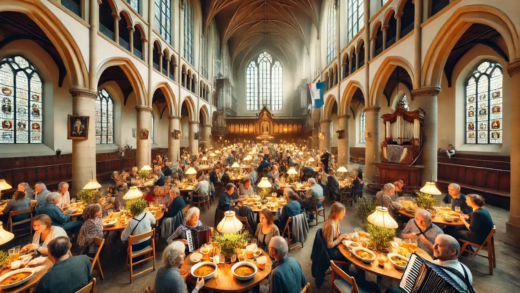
(25, 150)
(479, 148)
(106, 148)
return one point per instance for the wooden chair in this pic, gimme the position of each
(346, 196)
(245, 222)
(202, 200)
(12, 224)
(90, 288)
(287, 233)
(306, 289)
(320, 211)
(488, 244)
(95, 260)
(341, 281)
(143, 252)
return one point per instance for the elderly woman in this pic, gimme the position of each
(63, 190)
(291, 209)
(246, 190)
(422, 228)
(140, 223)
(170, 279)
(25, 187)
(160, 176)
(266, 229)
(41, 193)
(18, 203)
(114, 178)
(92, 228)
(480, 222)
(387, 199)
(44, 232)
(331, 232)
(314, 193)
(191, 221)
(177, 203)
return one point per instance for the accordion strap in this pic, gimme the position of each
(464, 278)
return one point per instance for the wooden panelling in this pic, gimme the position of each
(357, 155)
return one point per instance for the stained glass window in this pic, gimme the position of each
(331, 33)
(135, 4)
(163, 18)
(151, 129)
(104, 118)
(264, 60)
(252, 87)
(362, 119)
(354, 17)
(483, 110)
(22, 101)
(188, 32)
(276, 87)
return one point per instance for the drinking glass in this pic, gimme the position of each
(14, 253)
(457, 209)
(110, 213)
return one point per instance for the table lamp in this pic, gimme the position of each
(342, 170)
(229, 224)
(431, 189)
(5, 236)
(382, 218)
(92, 184)
(292, 174)
(4, 186)
(311, 161)
(236, 168)
(132, 193)
(191, 172)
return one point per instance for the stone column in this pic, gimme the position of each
(168, 60)
(174, 145)
(343, 143)
(372, 143)
(417, 31)
(143, 152)
(206, 135)
(194, 143)
(385, 29)
(116, 27)
(161, 62)
(131, 31)
(513, 224)
(398, 26)
(426, 98)
(84, 151)
(315, 132)
(325, 129)
(372, 47)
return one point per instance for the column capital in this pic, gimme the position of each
(193, 122)
(384, 28)
(173, 117)
(398, 15)
(141, 108)
(513, 67)
(426, 91)
(344, 116)
(325, 121)
(83, 93)
(372, 109)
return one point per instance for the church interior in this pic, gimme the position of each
(177, 100)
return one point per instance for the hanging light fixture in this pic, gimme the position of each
(132, 193)
(92, 184)
(382, 218)
(229, 224)
(431, 189)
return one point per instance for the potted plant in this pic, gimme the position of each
(380, 238)
(425, 201)
(143, 174)
(228, 243)
(136, 206)
(89, 196)
(365, 207)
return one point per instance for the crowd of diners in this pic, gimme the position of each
(55, 234)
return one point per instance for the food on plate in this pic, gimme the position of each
(399, 261)
(455, 214)
(403, 251)
(363, 254)
(15, 278)
(244, 271)
(204, 270)
(354, 244)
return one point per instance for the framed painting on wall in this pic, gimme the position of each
(77, 127)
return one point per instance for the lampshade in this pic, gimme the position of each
(132, 193)
(430, 188)
(311, 159)
(5, 236)
(235, 165)
(204, 158)
(230, 224)
(4, 185)
(342, 169)
(264, 183)
(217, 152)
(92, 184)
(292, 171)
(212, 155)
(300, 153)
(191, 171)
(248, 158)
(382, 218)
(146, 168)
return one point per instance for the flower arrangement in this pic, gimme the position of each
(89, 196)
(143, 174)
(380, 238)
(229, 242)
(424, 201)
(136, 206)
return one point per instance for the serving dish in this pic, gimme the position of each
(368, 260)
(24, 280)
(207, 277)
(243, 263)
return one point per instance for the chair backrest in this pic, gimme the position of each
(244, 221)
(338, 272)
(287, 227)
(321, 199)
(20, 212)
(306, 289)
(134, 239)
(89, 288)
(185, 209)
(490, 235)
(99, 242)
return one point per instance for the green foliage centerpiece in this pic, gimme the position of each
(89, 196)
(136, 206)
(380, 238)
(228, 243)
(365, 206)
(425, 201)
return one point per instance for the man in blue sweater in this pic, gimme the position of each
(287, 275)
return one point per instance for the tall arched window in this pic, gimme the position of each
(104, 118)
(276, 87)
(73, 5)
(483, 110)
(204, 56)
(188, 32)
(331, 32)
(21, 97)
(265, 78)
(362, 119)
(163, 18)
(252, 87)
(355, 14)
(135, 4)
(152, 127)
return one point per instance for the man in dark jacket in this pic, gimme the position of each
(325, 159)
(333, 186)
(457, 199)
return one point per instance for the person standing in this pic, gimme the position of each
(324, 158)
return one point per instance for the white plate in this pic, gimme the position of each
(243, 263)
(390, 255)
(110, 223)
(195, 257)
(37, 261)
(193, 268)
(26, 270)
(365, 260)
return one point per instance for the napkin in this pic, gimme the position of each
(38, 268)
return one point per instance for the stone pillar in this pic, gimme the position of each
(325, 129)
(315, 132)
(168, 66)
(513, 224)
(116, 27)
(398, 26)
(194, 142)
(385, 29)
(426, 98)
(417, 32)
(84, 151)
(131, 30)
(372, 47)
(343, 143)
(161, 62)
(174, 144)
(143, 152)
(206, 135)
(372, 143)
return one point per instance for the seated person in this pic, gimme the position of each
(457, 199)
(253, 175)
(399, 185)
(177, 203)
(308, 172)
(168, 170)
(331, 233)
(163, 197)
(140, 223)
(387, 199)
(480, 223)
(290, 209)
(19, 202)
(357, 184)
(25, 187)
(423, 229)
(41, 193)
(332, 186)
(59, 217)
(160, 176)
(266, 229)
(287, 275)
(202, 189)
(263, 165)
(63, 190)
(44, 232)
(69, 273)
(119, 201)
(227, 198)
(92, 228)
(133, 174)
(225, 177)
(246, 190)
(314, 193)
(191, 221)
(155, 193)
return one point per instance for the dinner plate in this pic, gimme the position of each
(390, 255)
(26, 270)
(365, 260)
(110, 223)
(195, 257)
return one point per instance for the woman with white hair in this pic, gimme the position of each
(191, 221)
(169, 278)
(387, 199)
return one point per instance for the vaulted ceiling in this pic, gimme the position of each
(281, 26)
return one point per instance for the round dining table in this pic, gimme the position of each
(387, 271)
(47, 265)
(225, 281)
(438, 219)
(120, 226)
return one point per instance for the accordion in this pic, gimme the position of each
(197, 236)
(421, 275)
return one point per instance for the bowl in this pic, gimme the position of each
(243, 263)
(365, 260)
(195, 257)
(109, 223)
(26, 270)
(195, 267)
(394, 255)
(450, 218)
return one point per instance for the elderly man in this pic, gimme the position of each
(324, 158)
(333, 186)
(202, 190)
(312, 194)
(227, 197)
(286, 275)
(387, 199)
(253, 175)
(423, 229)
(59, 218)
(246, 190)
(177, 203)
(457, 199)
(69, 273)
(41, 193)
(63, 190)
